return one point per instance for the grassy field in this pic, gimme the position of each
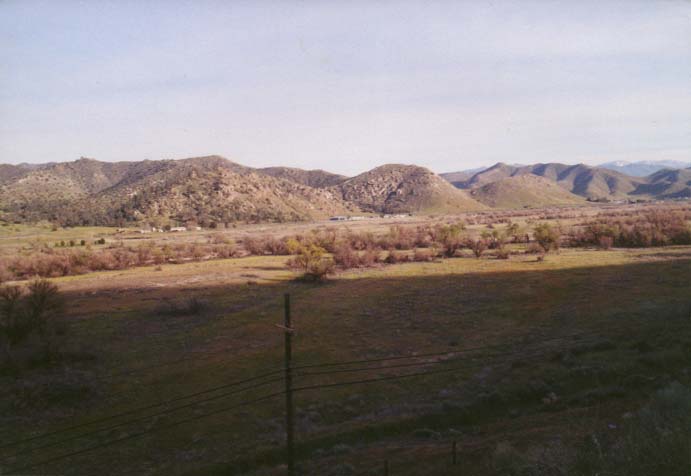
(566, 347)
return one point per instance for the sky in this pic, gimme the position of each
(346, 85)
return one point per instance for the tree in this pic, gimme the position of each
(547, 236)
(451, 238)
(14, 326)
(312, 262)
(33, 312)
(478, 246)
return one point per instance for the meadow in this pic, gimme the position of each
(523, 360)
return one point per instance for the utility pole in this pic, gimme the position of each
(289, 386)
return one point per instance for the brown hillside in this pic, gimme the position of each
(313, 178)
(583, 180)
(525, 191)
(405, 189)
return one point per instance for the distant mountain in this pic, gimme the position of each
(312, 178)
(396, 188)
(525, 191)
(51, 186)
(583, 180)
(9, 172)
(667, 184)
(645, 167)
(204, 189)
(208, 191)
(213, 190)
(461, 176)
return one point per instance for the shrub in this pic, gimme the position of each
(450, 238)
(606, 242)
(345, 256)
(312, 262)
(547, 236)
(399, 238)
(478, 246)
(503, 253)
(254, 245)
(325, 239)
(652, 228)
(361, 241)
(535, 249)
(397, 256)
(34, 312)
(424, 254)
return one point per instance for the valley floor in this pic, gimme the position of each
(564, 348)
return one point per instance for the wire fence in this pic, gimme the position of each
(30, 453)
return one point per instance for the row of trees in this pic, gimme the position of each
(653, 228)
(321, 253)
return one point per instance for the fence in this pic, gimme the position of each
(403, 367)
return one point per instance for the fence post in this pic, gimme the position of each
(290, 450)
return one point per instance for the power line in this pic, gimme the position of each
(432, 354)
(332, 364)
(147, 407)
(142, 433)
(414, 364)
(139, 419)
(304, 388)
(225, 409)
(266, 397)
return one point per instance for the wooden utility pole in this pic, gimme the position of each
(290, 450)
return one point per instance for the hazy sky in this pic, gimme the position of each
(346, 85)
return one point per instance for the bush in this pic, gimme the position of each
(606, 242)
(547, 236)
(424, 254)
(346, 257)
(397, 256)
(312, 262)
(450, 238)
(254, 245)
(503, 253)
(478, 246)
(31, 313)
(652, 228)
(399, 238)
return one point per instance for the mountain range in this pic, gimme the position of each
(213, 190)
(644, 168)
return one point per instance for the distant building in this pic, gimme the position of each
(178, 228)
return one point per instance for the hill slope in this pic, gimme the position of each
(523, 191)
(204, 189)
(580, 179)
(398, 188)
(9, 172)
(313, 178)
(667, 184)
